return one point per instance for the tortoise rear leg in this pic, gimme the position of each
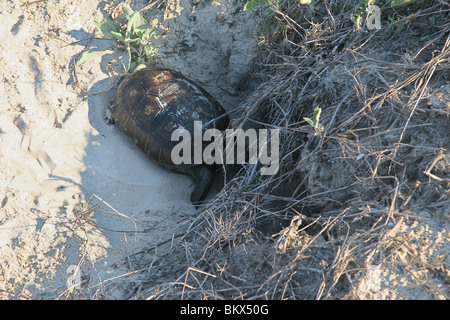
(203, 178)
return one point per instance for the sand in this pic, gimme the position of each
(58, 154)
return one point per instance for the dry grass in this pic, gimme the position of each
(340, 202)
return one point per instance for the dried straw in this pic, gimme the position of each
(312, 230)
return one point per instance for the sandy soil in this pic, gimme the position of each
(57, 152)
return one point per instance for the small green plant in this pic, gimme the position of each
(365, 11)
(266, 30)
(318, 128)
(254, 3)
(256, 184)
(362, 12)
(135, 38)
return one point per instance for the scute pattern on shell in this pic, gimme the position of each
(151, 103)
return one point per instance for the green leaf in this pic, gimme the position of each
(139, 67)
(132, 41)
(144, 31)
(309, 121)
(357, 20)
(89, 54)
(106, 27)
(127, 11)
(251, 4)
(118, 36)
(126, 60)
(316, 114)
(136, 20)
